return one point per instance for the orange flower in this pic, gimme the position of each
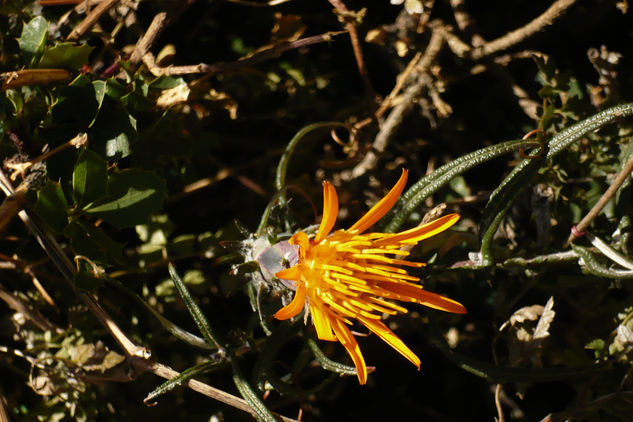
(348, 275)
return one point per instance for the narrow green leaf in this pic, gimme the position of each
(90, 178)
(195, 312)
(327, 363)
(184, 376)
(132, 196)
(259, 408)
(33, 39)
(52, 207)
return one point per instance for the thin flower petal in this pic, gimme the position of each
(422, 232)
(416, 294)
(301, 239)
(382, 207)
(295, 306)
(330, 211)
(391, 339)
(292, 273)
(348, 341)
(321, 322)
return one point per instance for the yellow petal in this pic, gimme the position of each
(382, 207)
(391, 339)
(422, 232)
(294, 307)
(301, 239)
(321, 322)
(416, 294)
(349, 342)
(330, 211)
(292, 273)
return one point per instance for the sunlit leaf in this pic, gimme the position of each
(33, 39)
(132, 196)
(66, 55)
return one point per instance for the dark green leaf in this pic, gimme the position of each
(66, 116)
(90, 178)
(132, 196)
(33, 39)
(114, 131)
(93, 243)
(52, 207)
(87, 281)
(65, 55)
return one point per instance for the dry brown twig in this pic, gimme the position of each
(556, 10)
(393, 120)
(578, 230)
(90, 20)
(350, 27)
(4, 413)
(202, 388)
(33, 315)
(150, 61)
(147, 40)
(269, 3)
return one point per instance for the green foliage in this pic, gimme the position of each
(208, 167)
(133, 195)
(33, 40)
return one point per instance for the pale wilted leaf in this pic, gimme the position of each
(624, 339)
(175, 95)
(527, 313)
(542, 328)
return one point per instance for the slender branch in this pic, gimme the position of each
(4, 413)
(145, 43)
(557, 9)
(202, 388)
(269, 3)
(500, 417)
(350, 27)
(18, 305)
(602, 202)
(156, 70)
(399, 112)
(92, 18)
